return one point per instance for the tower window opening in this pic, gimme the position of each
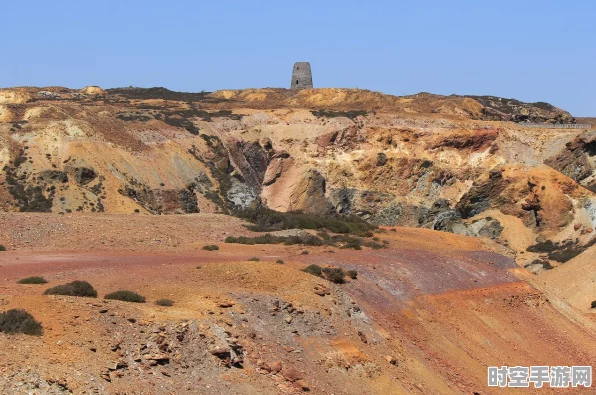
(296, 82)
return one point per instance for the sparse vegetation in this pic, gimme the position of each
(33, 280)
(19, 321)
(560, 252)
(125, 296)
(304, 252)
(211, 247)
(164, 302)
(280, 261)
(334, 274)
(594, 304)
(75, 288)
(543, 246)
(267, 220)
(2, 248)
(353, 114)
(343, 241)
(254, 259)
(314, 270)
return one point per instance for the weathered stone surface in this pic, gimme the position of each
(301, 76)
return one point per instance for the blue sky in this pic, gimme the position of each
(528, 50)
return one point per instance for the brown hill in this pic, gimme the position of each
(89, 176)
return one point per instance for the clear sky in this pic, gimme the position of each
(529, 50)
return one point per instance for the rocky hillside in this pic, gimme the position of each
(452, 163)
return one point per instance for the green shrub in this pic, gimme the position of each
(353, 274)
(254, 259)
(352, 114)
(594, 304)
(280, 261)
(266, 220)
(164, 302)
(75, 288)
(125, 296)
(33, 280)
(335, 274)
(304, 252)
(345, 241)
(211, 247)
(314, 269)
(2, 248)
(19, 321)
(543, 246)
(353, 242)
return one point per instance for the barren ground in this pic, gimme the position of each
(442, 306)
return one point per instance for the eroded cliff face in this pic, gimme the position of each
(447, 163)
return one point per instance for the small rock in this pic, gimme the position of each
(289, 319)
(362, 337)
(157, 357)
(220, 352)
(275, 367)
(391, 360)
(112, 365)
(292, 374)
(303, 385)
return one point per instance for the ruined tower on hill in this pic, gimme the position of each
(301, 76)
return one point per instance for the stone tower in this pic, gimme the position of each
(301, 76)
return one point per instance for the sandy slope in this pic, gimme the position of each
(575, 281)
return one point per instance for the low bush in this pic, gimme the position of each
(345, 241)
(335, 274)
(126, 296)
(75, 288)
(254, 259)
(594, 304)
(280, 261)
(352, 114)
(164, 302)
(304, 252)
(19, 321)
(266, 220)
(543, 246)
(33, 280)
(2, 248)
(211, 247)
(353, 242)
(314, 269)
(353, 274)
